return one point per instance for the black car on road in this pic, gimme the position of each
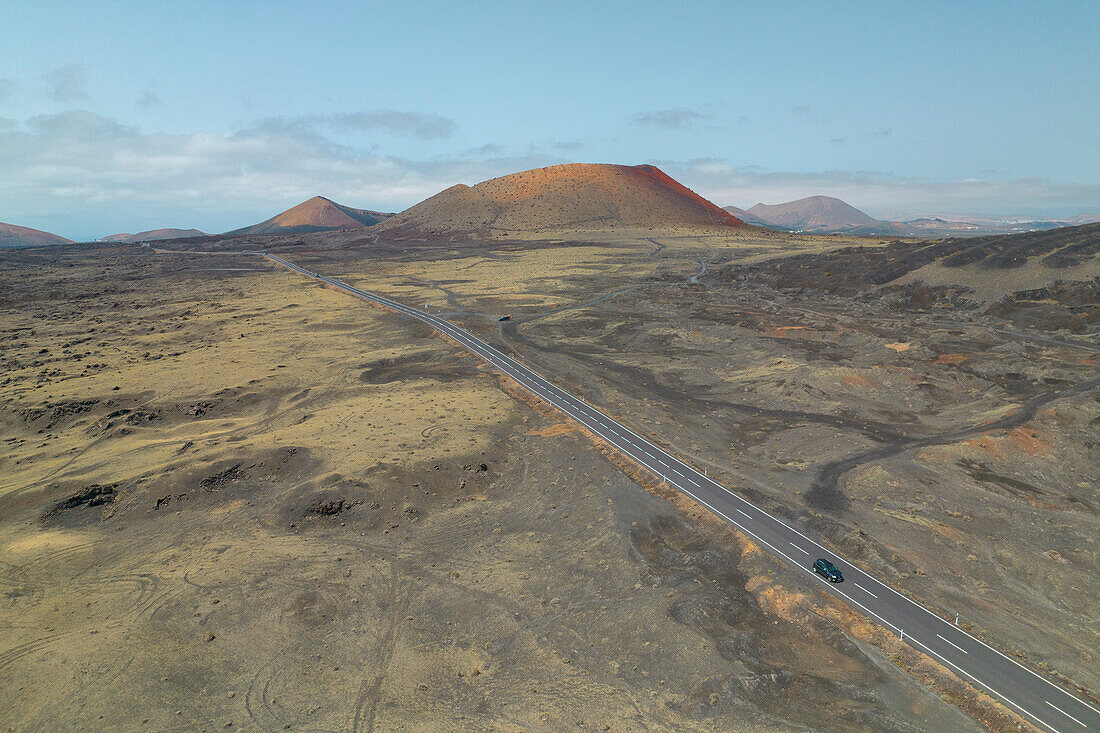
(829, 571)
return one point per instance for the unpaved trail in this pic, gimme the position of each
(370, 690)
(826, 494)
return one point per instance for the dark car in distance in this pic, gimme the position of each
(829, 571)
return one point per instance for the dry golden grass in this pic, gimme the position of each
(304, 534)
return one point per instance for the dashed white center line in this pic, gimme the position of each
(1063, 712)
(691, 480)
(750, 517)
(952, 643)
(790, 543)
(662, 463)
(864, 589)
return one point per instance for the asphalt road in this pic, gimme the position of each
(1037, 698)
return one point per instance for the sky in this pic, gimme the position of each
(126, 116)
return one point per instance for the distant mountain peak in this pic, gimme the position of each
(568, 196)
(314, 215)
(153, 235)
(814, 213)
(12, 235)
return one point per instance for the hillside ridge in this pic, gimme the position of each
(314, 215)
(571, 195)
(13, 235)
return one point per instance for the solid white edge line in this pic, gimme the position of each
(987, 646)
(952, 643)
(902, 595)
(1009, 700)
(420, 316)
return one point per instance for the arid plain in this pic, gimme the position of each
(232, 499)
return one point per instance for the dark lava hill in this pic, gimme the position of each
(1047, 279)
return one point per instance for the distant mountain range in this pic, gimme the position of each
(153, 235)
(581, 196)
(315, 215)
(828, 215)
(12, 236)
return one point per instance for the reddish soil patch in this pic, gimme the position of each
(985, 444)
(856, 380)
(1026, 439)
(1031, 440)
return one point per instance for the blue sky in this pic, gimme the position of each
(122, 116)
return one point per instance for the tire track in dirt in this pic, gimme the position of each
(14, 654)
(17, 584)
(370, 690)
(260, 704)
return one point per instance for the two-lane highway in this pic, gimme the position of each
(1034, 696)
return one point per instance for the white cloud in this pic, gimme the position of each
(422, 125)
(149, 99)
(67, 84)
(84, 175)
(673, 119)
(76, 165)
(415, 124)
